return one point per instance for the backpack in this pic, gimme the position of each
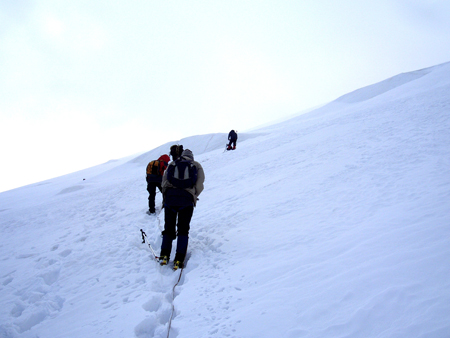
(182, 174)
(154, 168)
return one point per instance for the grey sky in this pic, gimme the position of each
(82, 82)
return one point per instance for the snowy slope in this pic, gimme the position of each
(333, 224)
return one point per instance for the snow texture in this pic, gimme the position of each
(333, 224)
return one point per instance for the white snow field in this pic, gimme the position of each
(335, 223)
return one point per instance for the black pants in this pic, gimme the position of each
(232, 142)
(177, 222)
(151, 188)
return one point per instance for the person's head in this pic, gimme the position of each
(176, 151)
(188, 155)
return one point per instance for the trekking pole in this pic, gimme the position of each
(144, 237)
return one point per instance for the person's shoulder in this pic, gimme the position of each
(197, 164)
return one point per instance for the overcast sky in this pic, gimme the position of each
(83, 82)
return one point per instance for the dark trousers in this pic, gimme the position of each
(177, 221)
(232, 142)
(151, 188)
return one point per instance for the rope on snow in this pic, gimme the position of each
(145, 239)
(173, 299)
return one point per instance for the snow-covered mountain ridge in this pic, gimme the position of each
(332, 224)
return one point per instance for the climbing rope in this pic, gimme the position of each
(159, 223)
(145, 239)
(173, 299)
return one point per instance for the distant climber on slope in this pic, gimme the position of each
(232, 137)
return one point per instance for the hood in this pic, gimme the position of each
(188, 155)
(164, 158)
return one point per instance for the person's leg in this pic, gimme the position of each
(151, 188)
(169, 233)
(183, 226)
